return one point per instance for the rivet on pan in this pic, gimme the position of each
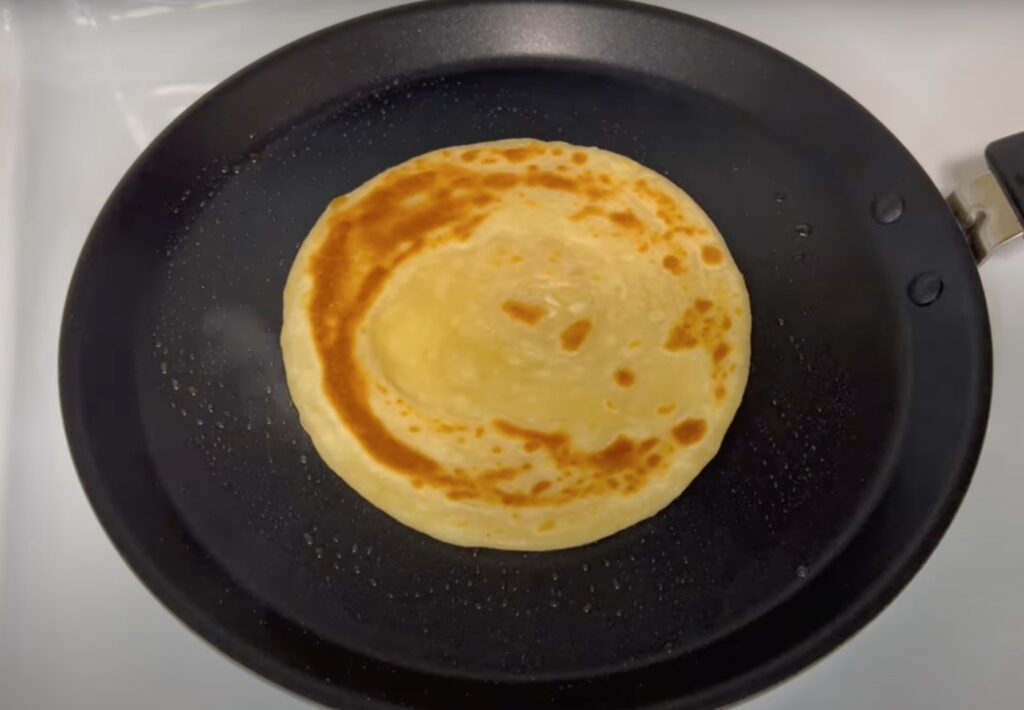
(925, 288)
(803, 229)
(888, 208)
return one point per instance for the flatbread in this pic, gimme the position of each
(520, 344)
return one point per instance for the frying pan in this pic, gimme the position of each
(855, 442)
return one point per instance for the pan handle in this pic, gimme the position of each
(990, 208)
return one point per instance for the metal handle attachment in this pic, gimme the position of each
(990, 208)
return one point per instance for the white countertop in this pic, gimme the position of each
(85, 85)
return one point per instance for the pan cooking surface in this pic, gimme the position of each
(854, 442)
(797, 469)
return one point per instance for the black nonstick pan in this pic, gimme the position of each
(854, 444)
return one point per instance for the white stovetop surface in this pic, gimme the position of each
(86, 84)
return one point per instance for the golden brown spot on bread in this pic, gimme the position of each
(575, 333)
(470, 155)
(698, 325)
(681, 336)
(518, 155)
(616, 455)
(626, 219)
(552, 442)
(546, 525)
(672, 264)
(500, 474)
(666, 207)
(624, 377)
(579, 157)
(465, 229)
(711, 255)
(557, 151)
(666, 408)
(588, 211)
(500, 181)
(443, 428)
(686, 230)
(719, 392)
(721, 350)
(623, 454)
(653, 460)
(525, 312)
(540, 487)
(689, 431)
(551, 182)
